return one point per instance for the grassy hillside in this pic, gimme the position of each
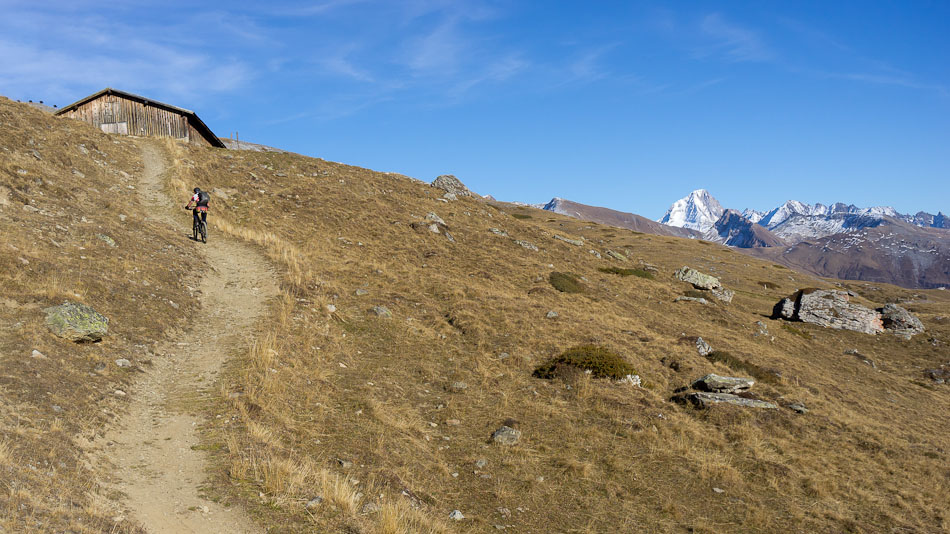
(66, 191)
(376, 400)
(388, 418)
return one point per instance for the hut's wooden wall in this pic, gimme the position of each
(114, 114)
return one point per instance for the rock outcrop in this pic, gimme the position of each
(698, 279)
(722, 384)
(899, 321)
(76, 322)
(704, 282)
(830, 309)
(705, 400)
(833, 309)
(451, 184)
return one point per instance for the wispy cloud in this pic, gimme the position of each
(732, 42)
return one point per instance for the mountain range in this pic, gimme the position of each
(838, 240)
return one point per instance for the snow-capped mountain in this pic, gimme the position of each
(735, 230)
(696, 211)
(800, 227)
(753, 215)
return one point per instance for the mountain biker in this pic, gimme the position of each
(200, 200)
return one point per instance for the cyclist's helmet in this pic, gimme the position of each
(197, 190)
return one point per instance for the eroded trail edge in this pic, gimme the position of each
(159, 470)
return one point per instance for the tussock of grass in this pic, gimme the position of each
(796, 331)
(566, 282)
(742, 366)
(600, 361)
(696, 293)
(522, 216)
(627, 272)
(768, 285)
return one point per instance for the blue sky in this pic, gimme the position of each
(628, 105)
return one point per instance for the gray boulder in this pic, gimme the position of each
(899, 321)
(706, 400)
(506, 436)
(723, 294)
(451, 184)
(698, 279)
(702, 347)
(722, 384)
(830, 309)
(76, 322)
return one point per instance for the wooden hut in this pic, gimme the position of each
(119, 112)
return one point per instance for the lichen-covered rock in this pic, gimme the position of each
(705, 400)
(899, 321)
(575, 242)
(451, 184)
(722, 384)
(830, 309)
(506, 436)
(76, 322)
(615, 255)
(381, 311)
(723, 294)
(698, 279)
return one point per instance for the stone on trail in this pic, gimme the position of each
(506, 436)
(722, 384)
(124, 363)
(76, 322)
(551, 314)
(456, 515)
(38, 355)
(451, 184)
(106, 239)
(698, 279)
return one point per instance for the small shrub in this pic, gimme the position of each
(695, 293)
(521, 216)
(566, 282)
(777, 266)
(738, 364)
(627, 272)
(600, 361)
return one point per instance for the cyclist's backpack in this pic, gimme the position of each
(203, 198)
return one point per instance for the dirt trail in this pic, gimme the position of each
(152, 446)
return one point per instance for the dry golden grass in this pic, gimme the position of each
(595, 457)
(359, 409)
(77, 183)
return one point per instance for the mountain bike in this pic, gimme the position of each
(200, 228)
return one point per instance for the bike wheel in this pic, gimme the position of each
(204, 232)
(194, 228)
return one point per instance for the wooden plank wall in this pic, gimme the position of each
(140, 119)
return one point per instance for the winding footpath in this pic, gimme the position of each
(152, 446)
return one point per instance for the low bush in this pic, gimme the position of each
(600, 361)
(627, 272)
(696, 294)
(566, 282)
(521, 216)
